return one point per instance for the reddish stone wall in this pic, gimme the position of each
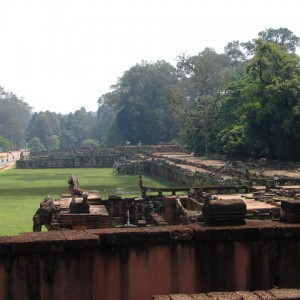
(136, 263)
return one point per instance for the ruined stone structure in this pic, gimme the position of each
(210, 206)
(209, 242)
(137, 263)
(82, 209)
(43, 215)
(94, 157)
(195, 176)
(170, 162)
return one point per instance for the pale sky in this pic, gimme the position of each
(61, 55)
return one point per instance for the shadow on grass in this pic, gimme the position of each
(31, 191)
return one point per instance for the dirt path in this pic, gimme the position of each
(7, 166)
(12, 157)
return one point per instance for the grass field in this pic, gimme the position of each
(21, 191)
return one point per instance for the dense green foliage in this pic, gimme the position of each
(260, 114)
(203, 79)
(5, 144)
(55, 130)
(21, 191)
(243, 102)
(14, 118)
(141, 107)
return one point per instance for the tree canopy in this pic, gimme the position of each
(260, 111)
(141, 106)
(55, 130)
(242, 102)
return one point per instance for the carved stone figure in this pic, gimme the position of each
(43, 215)
(75, 190)
(188, 216)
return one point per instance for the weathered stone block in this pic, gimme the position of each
(181, 233)
(158, 220)
(78, 206)
(290, 211)
(285, 294)
(264, 295)
(224, 296)
(180, 297)
(245, 295)
(224, 212)
(200, 296)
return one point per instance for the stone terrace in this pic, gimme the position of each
(137, 263)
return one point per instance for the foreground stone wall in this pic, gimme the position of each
(136, 263)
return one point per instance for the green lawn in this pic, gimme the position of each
(21, 191)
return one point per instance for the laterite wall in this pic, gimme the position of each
(136, 263)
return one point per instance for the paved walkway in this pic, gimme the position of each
(8, 159)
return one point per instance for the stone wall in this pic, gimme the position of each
(103, 158)
(134, 160)
(179, 176)
(136, 263)
(94, 157)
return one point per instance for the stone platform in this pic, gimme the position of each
(97, 218)
(255, 209)
(79, 206)
(80, 215)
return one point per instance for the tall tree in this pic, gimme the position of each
(56, 130)
(265, 105)
(35, 145)
(235, 52)
(14, 117)
(277, 74)
(76, 127)
(83, 125)
(281, 36)
(54, 142)
(103, 120)
(205, 77)
(43, 125)
(141, 105)
(5, 144)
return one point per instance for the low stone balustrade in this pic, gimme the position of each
(137, 263)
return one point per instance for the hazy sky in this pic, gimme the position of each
(61, 55)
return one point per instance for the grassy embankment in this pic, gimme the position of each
(21, 191)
